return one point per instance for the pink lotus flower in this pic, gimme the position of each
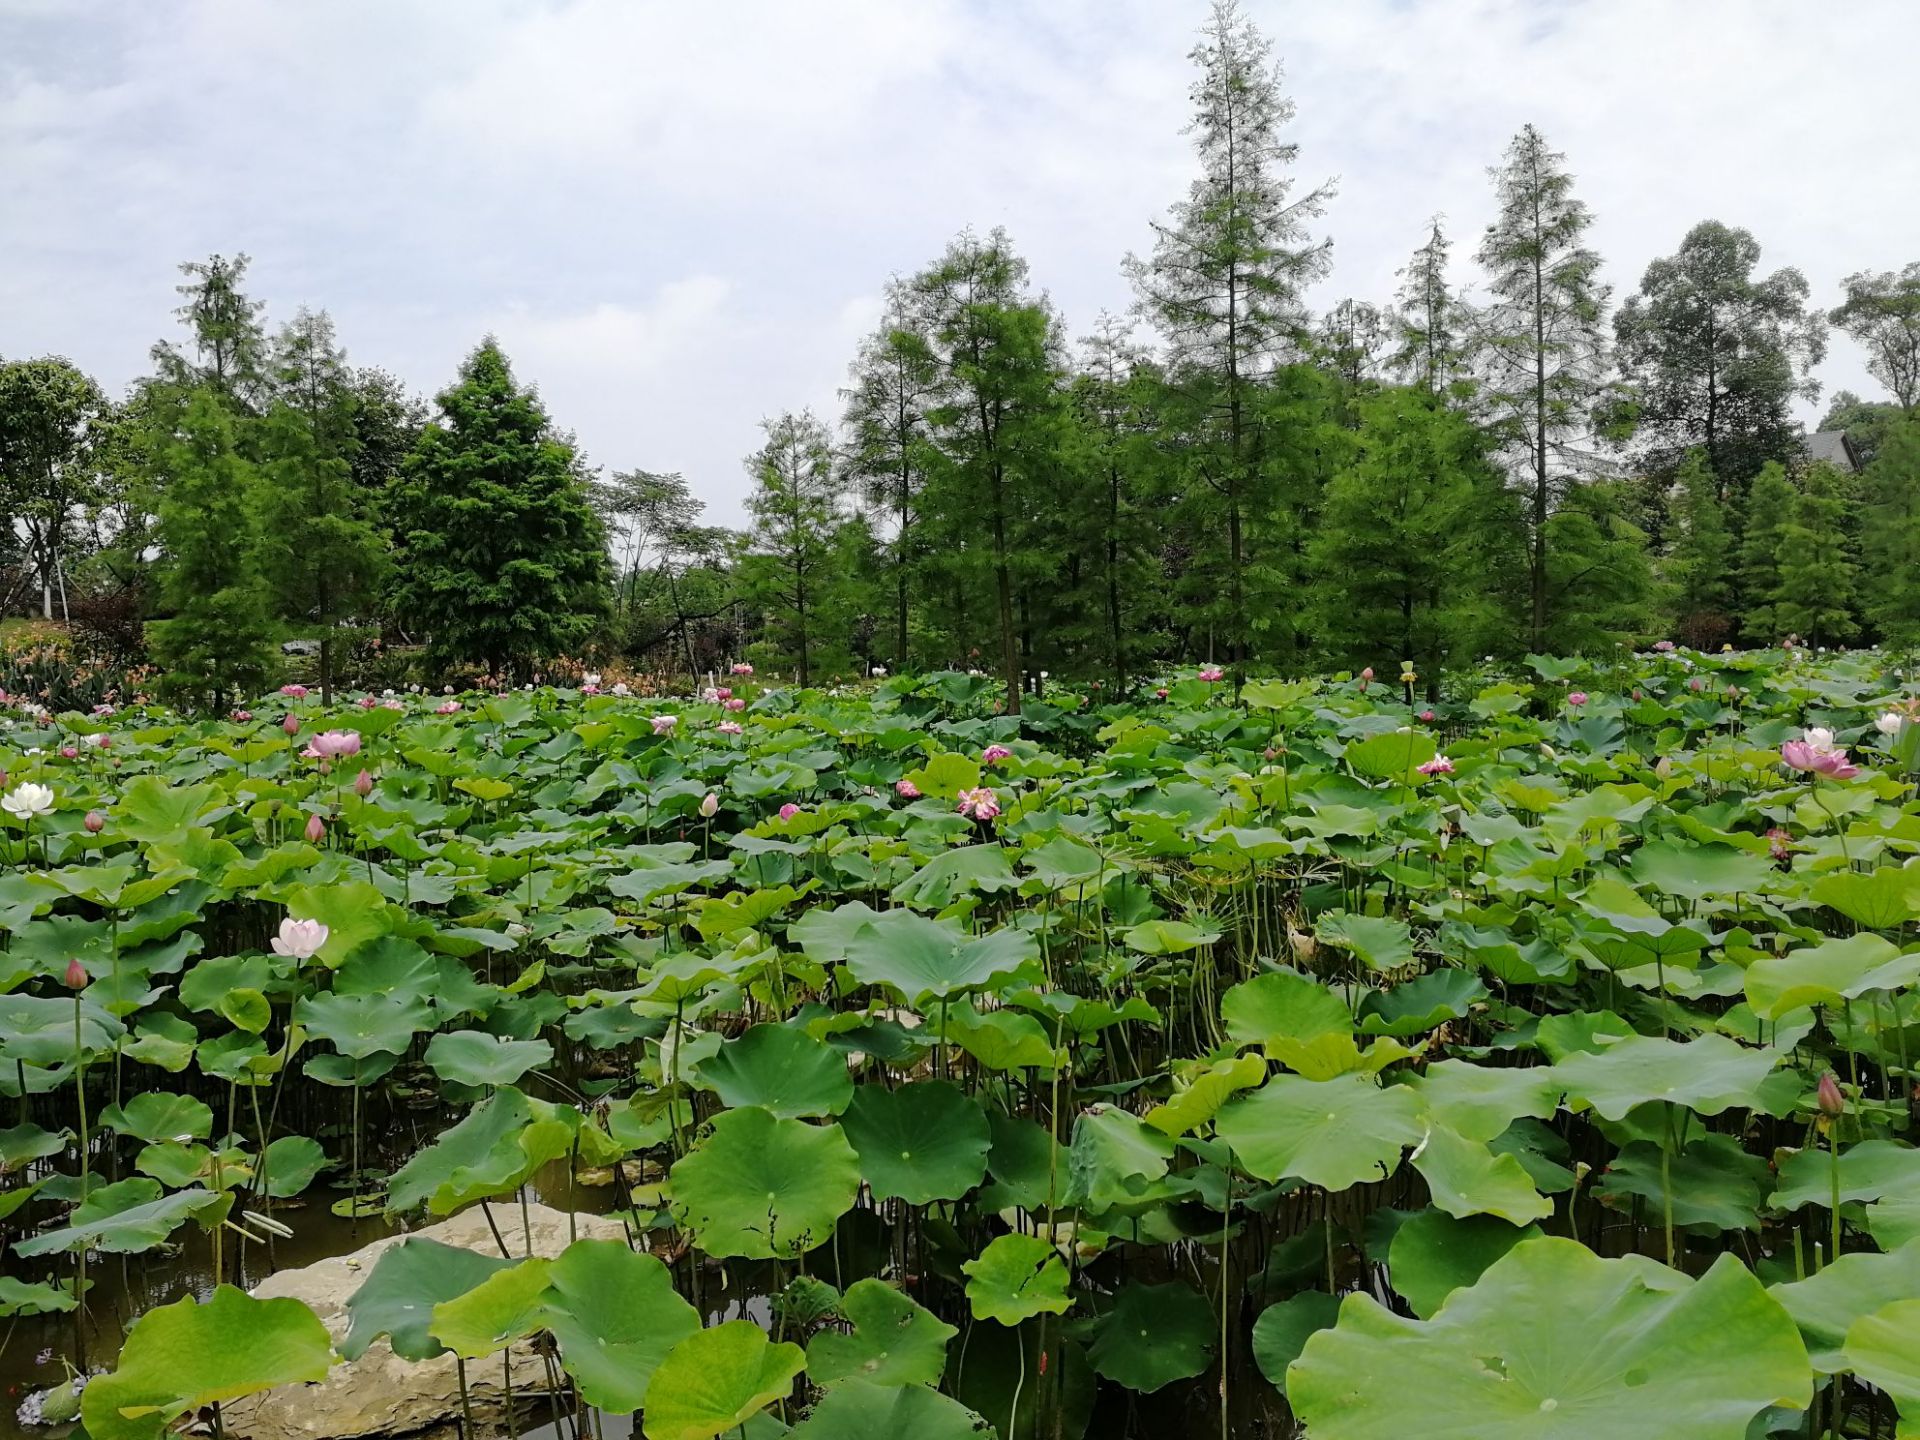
(742, 668)
(1161, 693)
(241, 717)
(300, 939)
(1211, 673)
(663, 724)
(906, 789)
(333, 744)
(316, 830)
(1438, 765)
(1426, 717)
(994, 754)
(729, 727)
(1577, 699)
(367, 702)
(1779, 843)
(445, 707)
(1816, 754)
(101, 712)
(736, 705)
(290, 723)
(789, 810)
(69, 752)
(979, 804)
(294, 692)
(723, 692)
(1665, 647)
(395, 703)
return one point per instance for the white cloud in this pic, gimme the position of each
(679, 218)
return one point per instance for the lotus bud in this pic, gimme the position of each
(95, 822)
(76, 975)
(69, 752)
(1367, 674)
(363, 784)
(291, 724)
(710, 805)
(1829, 1097)
(316, 829)
(1663, 767)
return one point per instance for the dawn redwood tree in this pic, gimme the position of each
(797, 512)
(499, 556)
(1541, 342)
(1699, 566)
(1882, 312)
(1715, 355)
(1770, 502)
(1890, 538)
(1224, 287)
(320, 550)
(997, 424)
(894, 379)
(230, 354)
(1428, 325)
(1816, 594)
(52, 418)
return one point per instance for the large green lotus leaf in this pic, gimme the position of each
(353, 911)
(716, 1380)
(1326, 1056)
(1378, 941)
(920, 1143)
(1883, 1349)
(37, 1030)
(399, 1294)
(491, 1151)
(615, 1315)
(1283, 1329)
(760, 1187)
(1114, 1158)
(893, 1341)
(954, 873)
(359, 1026)
(778, 1068)
(190, 1354)
(1829, 973)
(501, 1310)
(996, 1373)
(1716, 1185)
(473, 1057)
(1063, 866)
(1432, 1255)
(1869, 1171)
(926, 959)
(126, 1218)
(1200, 1091)
(1883, 899)
(1698, 872)
(1482, 1101)
(18, 1298)
(155, 1115)
(1555, 1343)
(1466, 1178)
(1029, 1166)
(1825, 1306)
(1001, 1039)
(1894, 1222)
(26, 1142)
(1707, 1076)
(1330, 1133)
(945, 775)
(1421, 1005)
(1153, 1336)
(1016, 1277)
(857, 1410)
(1396, 757)
(1283, 1004)
(1170, 937)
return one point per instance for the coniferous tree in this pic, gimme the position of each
(1816, 594)
(1600, 583)
(1224, 286)
(1429, 340)
(500, 558)
(1716, 356)
(1770, 503)
(229, 355)
(1882, 312)
(1699, 560)
(797, 511)
(215, 646)
(322, 555)
(1541, 346)
(1891, 536)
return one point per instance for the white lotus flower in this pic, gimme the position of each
(1820, 738)
(1889, 723)
(28, 800)
(300, 939)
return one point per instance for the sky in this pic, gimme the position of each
(679, 216)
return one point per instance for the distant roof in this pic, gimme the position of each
(1830, 447)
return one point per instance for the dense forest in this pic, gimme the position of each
(1501, 457)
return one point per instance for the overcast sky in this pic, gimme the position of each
(678, 217)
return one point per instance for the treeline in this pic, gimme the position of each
(1496, 459)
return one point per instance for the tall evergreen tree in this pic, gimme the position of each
(1224, 286)
(1429, 340)
(321, 553)
(1600, 583)
(894, 379)
(1770, 504)
(500, 559)
(1816, 595)
(1716, 356)
(1542, 341)
(229, 354)
(797, 509)
(1882, 312)
(1891, 536)
(1699, 568)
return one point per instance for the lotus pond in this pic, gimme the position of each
(1326, 1058)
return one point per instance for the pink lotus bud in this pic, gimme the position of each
(1271, 753)
(789, 810)
(723, 692)
(291, 724)
(316, 829)
(1367, 674)
(363, 784)
(709, 804)
(76, 975)
(1426, 717)
(906, 789)
(68, 752)
(95, 822)
(1829, 1097)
